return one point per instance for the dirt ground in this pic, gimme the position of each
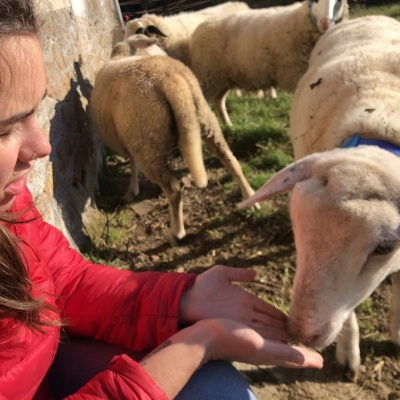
(219, 233)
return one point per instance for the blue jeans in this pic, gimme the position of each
(78, 360)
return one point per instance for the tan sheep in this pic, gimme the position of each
(144, 106)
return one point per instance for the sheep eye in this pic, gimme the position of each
(140, 30)
(152, 30)
(384, 248)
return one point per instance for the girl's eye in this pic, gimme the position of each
(384, 248)
(5, 133)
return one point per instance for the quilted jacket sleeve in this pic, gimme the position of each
(137, 311)
(123, 380)
(134, 310)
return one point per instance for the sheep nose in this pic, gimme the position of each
(326, 23)
(312, 341)
(300, 334)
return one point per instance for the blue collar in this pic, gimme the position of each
(335, 10)
(312, 16)
(356, 140)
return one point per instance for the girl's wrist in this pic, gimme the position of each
(185, 306)
(173, 363)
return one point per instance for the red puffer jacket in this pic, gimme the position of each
(134, 310)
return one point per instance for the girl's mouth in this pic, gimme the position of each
(17, 187)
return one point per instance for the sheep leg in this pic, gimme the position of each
(218, 146)
(220, 105)
(173, 191)
(259, 94)
(272, 93)
(395, 310)
(348, 346)
(133, 188)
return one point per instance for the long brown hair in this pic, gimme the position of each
(16, 300)
(17, 18)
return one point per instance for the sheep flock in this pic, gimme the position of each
(232, 46)
(152, 97)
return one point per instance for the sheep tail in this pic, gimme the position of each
(180, 99)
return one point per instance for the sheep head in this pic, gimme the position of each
(142, 45)
(326, 13)
(144, 25)
(345, 213)
(136, 45)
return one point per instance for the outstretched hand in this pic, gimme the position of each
(234, 341)
(173, 363)
(214, 296)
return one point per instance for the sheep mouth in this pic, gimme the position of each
(318, 338)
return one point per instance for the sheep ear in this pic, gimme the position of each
(283, 180)
(121, 49)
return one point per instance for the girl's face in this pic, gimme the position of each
(22, 88)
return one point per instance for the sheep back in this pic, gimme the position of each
(354, 72)
(253, 49)
(178, 28)
(132, 110)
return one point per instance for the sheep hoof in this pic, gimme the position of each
(128, 198)
(351, 376)
(255, 207)
(347, 373)
(174, 240)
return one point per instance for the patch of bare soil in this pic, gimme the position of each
(219, 233)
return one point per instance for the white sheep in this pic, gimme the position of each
(143, 107)
(259, 48)
(174, 31)
(345, 203)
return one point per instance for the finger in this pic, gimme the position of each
(268, 321)
(271, 333)
(311, 359)
(264, 310)
(293, 356)
(240, 274)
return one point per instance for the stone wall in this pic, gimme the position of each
(77, 38)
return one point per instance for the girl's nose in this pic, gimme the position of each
(42, 146)
(38, 142)
(36, 146)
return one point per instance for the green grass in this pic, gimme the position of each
(259, 137)
(391, 10)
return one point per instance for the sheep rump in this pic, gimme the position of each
(143, 107)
